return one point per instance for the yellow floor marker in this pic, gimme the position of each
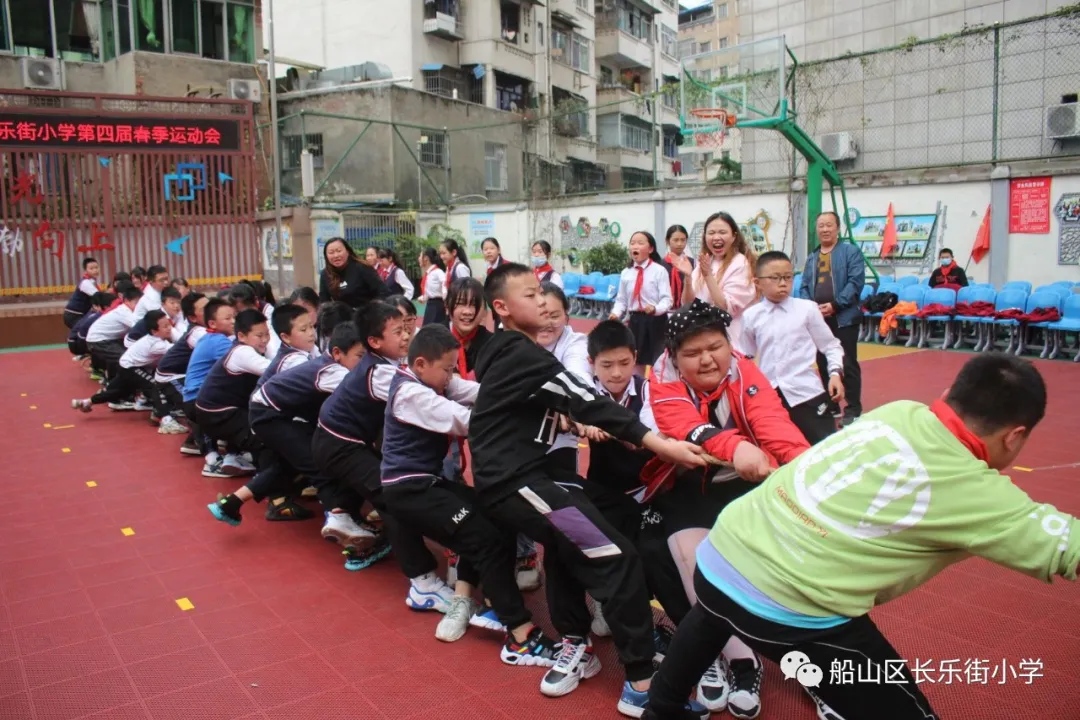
(62, 427)
(91, 483)
(128, 532)
(1021, 469)
(22, 394)
(33, 407)
(185, 604)
(47, 425)
(65, 450)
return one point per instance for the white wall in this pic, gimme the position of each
(1035, 257)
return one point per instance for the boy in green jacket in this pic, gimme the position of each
(794, 567)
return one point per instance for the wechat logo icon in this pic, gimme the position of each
(797, 665)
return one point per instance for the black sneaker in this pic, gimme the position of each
(288, 511)
(538, 650)
(191, 447)
(662, 638)
(744, 678)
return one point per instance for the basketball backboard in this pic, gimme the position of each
(748, 81)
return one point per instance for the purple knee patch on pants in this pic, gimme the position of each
(581, 531)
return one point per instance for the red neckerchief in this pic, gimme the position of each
(115, 304)
(676, 280)
(946, 269)
(450, 271)
(497, 263)
(462, 365)
(707, 399)
(639, 283)
(960, 431)
(543, 270)
(386, 272)
(423, 280)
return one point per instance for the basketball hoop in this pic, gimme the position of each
(712, 137)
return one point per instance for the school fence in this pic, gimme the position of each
(126, 180)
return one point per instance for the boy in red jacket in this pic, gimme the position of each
(722, 402)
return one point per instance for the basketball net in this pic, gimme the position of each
(712, 138)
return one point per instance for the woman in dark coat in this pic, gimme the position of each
(346, 278)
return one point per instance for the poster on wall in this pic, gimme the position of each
(322, 230)
(481, 226)
(1067, 211)
(913, 235)
(1029, 206)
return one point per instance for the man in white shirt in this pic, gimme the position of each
(105, 338)
(157, 279)
(785, 334)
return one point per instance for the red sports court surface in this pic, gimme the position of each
(91, 623)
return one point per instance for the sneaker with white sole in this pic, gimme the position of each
(342, 529)
(191, 447)
(122, 406)
(713, 688)
(538, 650)
(527, 573)
(599, 625)
(486, 618)
(142, 405)
(82, 405)
(576, 662)
(212, 467)
(456, 620)
(824, 712)
(169, 426)
(744, 678)
(235, 466)
(429, 592)
(633, 703)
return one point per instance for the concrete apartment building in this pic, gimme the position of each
(560, 57)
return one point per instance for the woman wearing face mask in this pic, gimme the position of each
(541, 263)
(724, 275)
(948, 274)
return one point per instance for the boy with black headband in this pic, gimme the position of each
(523, 391)
(723, 403)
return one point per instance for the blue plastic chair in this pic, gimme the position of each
(925, 282)
(1007, 299)
(972, 294)
(865, 324)
(796, 284)
(871, 332)
(1037, 301)
(908, 280)
(1017, 285)
(571, 286)
(938, 296)
(1069, 323)
(989, 286)
(912, 292)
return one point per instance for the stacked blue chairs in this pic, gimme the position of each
(1069, 323)
(1007, 299)
(986, 286)
(912, 293)
(1039, 301)
(972, 294)
(938, 296)
(872, 318)
(1017, 285)
(796, 283)
(864, 324)
(925, 282)
(571, 286)
(594, 303)
(908, 280)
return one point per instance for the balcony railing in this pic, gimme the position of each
(443, 25)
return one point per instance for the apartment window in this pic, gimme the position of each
(687, 48)
(669, 41)
(632, 21)
(511, 21)
(447, 7)
(3, 30)
(212, 24)
(115, 28)
(585, 6)
(671, 4)
(185, 26)
(705, 47)
(495, 167)
(31, 28)
(607, 76)
(149, 25)
(581, 54)
(723, 43)
(241, 32)
(540, 33)
(433, 152)
(671, 149)
(721, 11)
(635, 179)
(571, 49)
(292, 148)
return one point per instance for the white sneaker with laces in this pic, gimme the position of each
(456, 621)
(342, 529)
(713, 688)
(599, 625)
(82, 405)
(575, 662)
(429, 592)
(744, 679)
(234, 466)
(169, 426)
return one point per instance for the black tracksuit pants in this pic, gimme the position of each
(583, 552)
(233, 428)
(353, 470)
(813, 418)
(288, 444)
(450, 514)
(126, 383)
(857, 643)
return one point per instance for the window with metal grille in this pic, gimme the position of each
(495, 166)
(634, 178)
(669, 40)
(721, 11)
(292, 146)
(723, 43)
(433, 151)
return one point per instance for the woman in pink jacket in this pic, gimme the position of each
(724, 275)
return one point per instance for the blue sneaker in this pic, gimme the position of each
(358, 560)
(633, 703)
(218, 512)
(488, 620)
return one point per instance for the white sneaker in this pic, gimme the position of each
(235, 466)
(576, 662)
(82, 405)
(169, 426)
(429, 592)
(121, 406)
(744, 678)
(456, 621)
(713, 688)
(342, 529)
(599, 624)
(527, 573)
(142, 405)
(212, 467)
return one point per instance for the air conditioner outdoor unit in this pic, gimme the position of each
(42, 73)
(839, 146)
(245, 90)
(1063, 121)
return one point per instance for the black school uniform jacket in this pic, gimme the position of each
(515, 420)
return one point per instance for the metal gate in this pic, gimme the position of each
(126, 180)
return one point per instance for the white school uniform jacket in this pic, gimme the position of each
(150, 300)
(145, 352)
(112, 325)
(435, 285)
(572, 350)
(460, 270)
(655, 289)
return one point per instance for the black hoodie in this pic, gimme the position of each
(515, 420)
